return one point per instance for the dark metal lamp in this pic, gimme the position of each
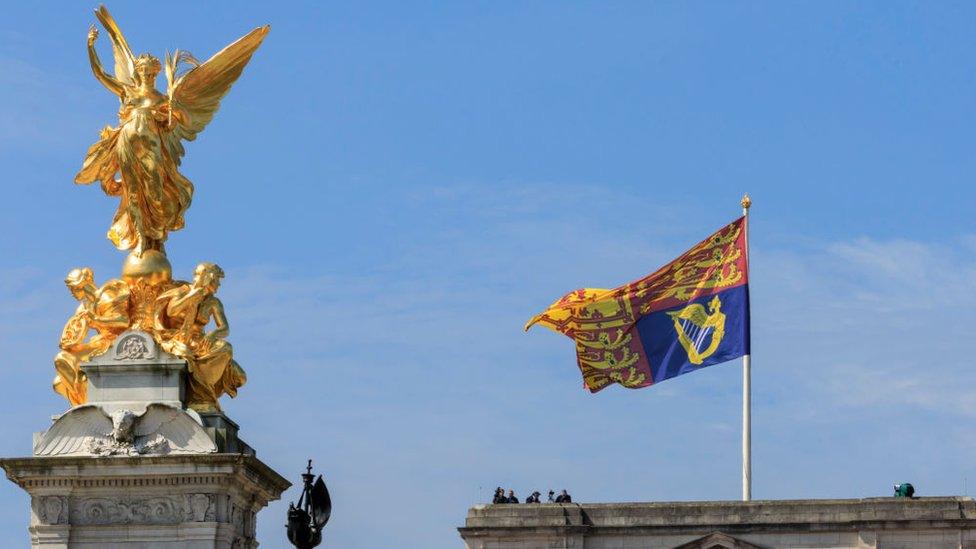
(307, 519)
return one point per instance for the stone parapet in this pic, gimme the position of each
(872, 522)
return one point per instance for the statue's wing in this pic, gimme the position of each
(184, 435)
(154, 417)
(196, 95)
(71, 433)
(125, 62)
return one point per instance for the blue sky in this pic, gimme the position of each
(393, 188)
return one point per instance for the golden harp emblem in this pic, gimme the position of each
(695, 328)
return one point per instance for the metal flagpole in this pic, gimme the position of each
(746, 386)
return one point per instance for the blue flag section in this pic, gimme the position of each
(708, 330)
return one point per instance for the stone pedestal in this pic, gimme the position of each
(178, 501)
(133, 372)
(134, 467)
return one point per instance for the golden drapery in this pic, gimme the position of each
(154, 195)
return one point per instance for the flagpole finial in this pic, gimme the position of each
(746, 202)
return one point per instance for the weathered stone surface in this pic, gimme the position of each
(864, 523)
(135, 370)
(192, 501)
(223, 432)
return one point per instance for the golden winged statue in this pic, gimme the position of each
(146, 147)
(138, 161)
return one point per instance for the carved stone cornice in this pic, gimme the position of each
(59, 473)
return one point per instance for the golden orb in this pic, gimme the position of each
(151, 265)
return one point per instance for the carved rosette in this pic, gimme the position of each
(134, 345)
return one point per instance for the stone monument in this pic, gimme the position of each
(144, 456)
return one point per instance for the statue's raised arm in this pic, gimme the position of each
(124, 60)
(112, 84)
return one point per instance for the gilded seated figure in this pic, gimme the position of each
(181, 316)
(104, 310)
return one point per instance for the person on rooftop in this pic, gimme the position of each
(499, 496)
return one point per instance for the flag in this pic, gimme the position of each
(689, 314)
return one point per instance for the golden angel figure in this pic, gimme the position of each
(145, 149)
